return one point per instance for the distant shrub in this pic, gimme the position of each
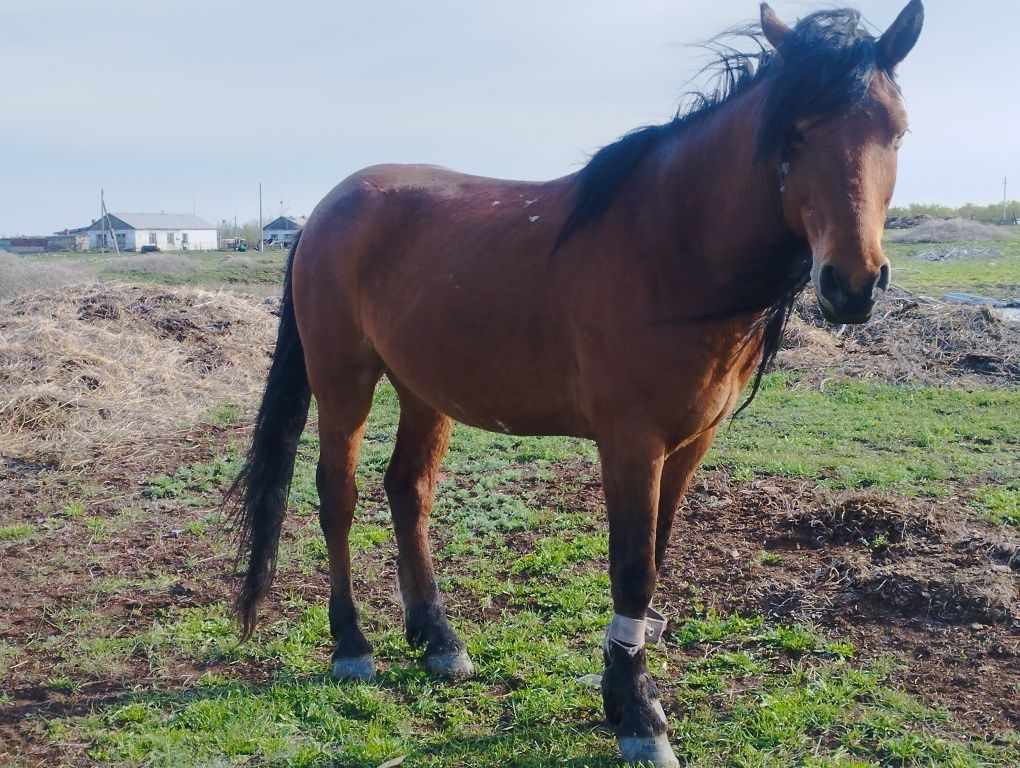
(949, 231)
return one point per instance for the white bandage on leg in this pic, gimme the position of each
(655, 625)
(632, 634)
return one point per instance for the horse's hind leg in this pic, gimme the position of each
(341, 425)
(410, 484)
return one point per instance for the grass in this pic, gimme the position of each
(753, 695)
(869, 435)
(209, 269)
(741, 691)
(16, 531)
(994, 276)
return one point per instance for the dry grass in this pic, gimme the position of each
(949, 231)
(911, 340)
(243, 262)
(164, 264)
(85, 369)
(22, 274)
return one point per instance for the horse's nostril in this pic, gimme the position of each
(828, 282)
(883, 277)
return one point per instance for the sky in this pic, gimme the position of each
(191, 104)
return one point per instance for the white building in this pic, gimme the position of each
(283, 230)
(163, 231)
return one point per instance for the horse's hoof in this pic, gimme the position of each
(453, 666)
(360, 669)
(648, 750)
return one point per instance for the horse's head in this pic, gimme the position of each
(836, 134)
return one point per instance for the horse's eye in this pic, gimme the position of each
(898, 141)
(796, 138)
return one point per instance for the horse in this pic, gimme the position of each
(630, 303)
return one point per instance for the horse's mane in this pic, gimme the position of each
(826, 63)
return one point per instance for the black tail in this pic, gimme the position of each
(259, 494)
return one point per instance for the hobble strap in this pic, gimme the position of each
(632, 634)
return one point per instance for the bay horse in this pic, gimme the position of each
(629, 303)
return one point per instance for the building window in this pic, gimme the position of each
(152, 238)
(169, 239)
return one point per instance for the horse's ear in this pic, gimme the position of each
(899, 39)
(773, 27)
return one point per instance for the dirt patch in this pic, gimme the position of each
(918, 580)
(912, 340)
(84, 368)
(957, 252)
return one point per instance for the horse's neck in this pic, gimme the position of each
(720, 207)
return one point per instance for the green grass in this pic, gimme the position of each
(1000, 504)
(16, 531)
(747, 694)
(868, 435)
(740, 691)
(994, 276)
(848, 435)
(211, 269)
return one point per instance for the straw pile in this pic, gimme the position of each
(912, 340)
(86, 368)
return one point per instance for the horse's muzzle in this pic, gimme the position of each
(840, 304)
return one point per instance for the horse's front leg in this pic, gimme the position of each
(631, 472)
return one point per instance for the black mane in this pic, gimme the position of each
(825, 64)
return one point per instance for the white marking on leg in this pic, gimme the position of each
(495, 203)
(533, 219)
(530, 202)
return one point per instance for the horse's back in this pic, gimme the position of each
(447, 278)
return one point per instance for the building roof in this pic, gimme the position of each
(287, 222)
(154, 221)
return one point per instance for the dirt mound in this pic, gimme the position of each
(949, 231)
(861, 557)
(911, 340)
(85, 368)
(869, 519)
(982, 593)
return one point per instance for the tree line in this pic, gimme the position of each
(991, 212)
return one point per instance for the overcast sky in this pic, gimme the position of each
(158, 101)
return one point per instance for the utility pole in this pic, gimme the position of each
(107, 226)
(262, 242)
(1004, 180)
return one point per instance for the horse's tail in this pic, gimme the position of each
(259, 494)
